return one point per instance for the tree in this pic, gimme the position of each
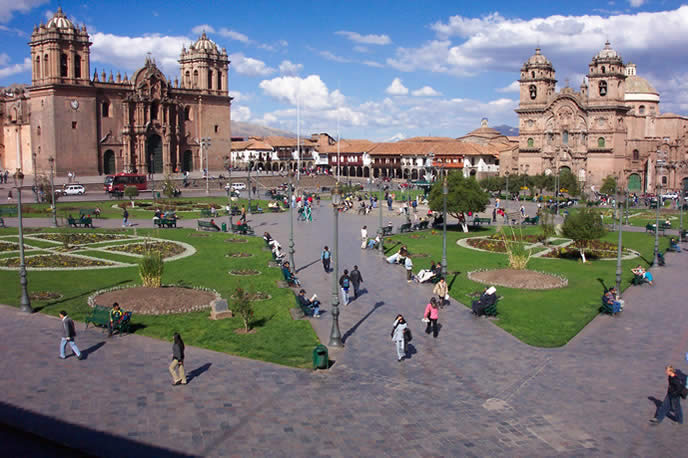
(131, 192)
(168, 187)
(492, 183)
(243, 307)
(568, 181)
(541, 182)
(609, 185)
(583, 227)
(465, 195)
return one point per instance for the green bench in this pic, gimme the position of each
(478, 221)
(165, 222)
(304, 309)
(683, 235)
(387, 230)
(532, 220)
(255, 209)
(100, 316)
(82, 221)
(2, 222)
(244, 229)
(664, 226)
(406, 227)
(638, 280)
(207, 213)
(88, 212)
(207, 226)
(8, 211)
(651, 228)
(420, 226)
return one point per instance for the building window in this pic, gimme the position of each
(219, 81)
(533, 92)
(565, 137)
(641, 110)
(217, 128)
(636, 155)
(38, 67)
(187, 114)
(77, 67)
(603, 69)
(106, 110)
(38, 131)
(531, 143)
(46, 67)
(600, 142)
(532, 74)
(195, 78)
(603, 88)
(664, 180)
(154, 111)
(550, 138)
(73, 124)
(210, 79)
(63, 65)
(187, 79)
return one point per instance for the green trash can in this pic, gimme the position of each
(320, 357)
(157, 195)
(224, 227)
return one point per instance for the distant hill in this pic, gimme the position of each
(245, 129)
(506, 130)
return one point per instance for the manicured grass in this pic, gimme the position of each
(278, 339)
(540, 318)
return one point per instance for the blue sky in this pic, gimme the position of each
(382, 70)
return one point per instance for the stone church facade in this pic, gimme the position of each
(611, 126)
(109, 124)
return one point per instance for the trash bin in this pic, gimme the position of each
(320, 357)
(157, 195)
(224, 227)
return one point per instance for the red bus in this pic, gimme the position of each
(122, 180)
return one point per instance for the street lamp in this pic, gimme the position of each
(506, 202)
(52, 188)
(228, 166)
(151, 172)
(335, 335)
(25, 304)
(380, 230)
(249, 184)
(619, 243)
(445, 192)
(659, 164)
(205, 144)
(291, 220)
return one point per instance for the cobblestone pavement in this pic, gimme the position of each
(474, 391)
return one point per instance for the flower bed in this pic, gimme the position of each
(239, 255)
(531, 238)
(81, 238)
(44, 296)
(156, 301)
(9, 246)
(54, 260)
(487, 244)
(244, 272)
(166, 249)
(571, 252)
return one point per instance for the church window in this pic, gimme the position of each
(38, 67)
(600, 142)
(636, 155)
(219, 81)
(550, 138)
(210, 79)
(63, 65)
(38, 131)
(187, 78)
(46, 67)
(641, 110)
(664, 180)
(603, 69)
(195, 78)
(73, 124)
(154, 110)
(603, 88)
(531, 143)
(187, 114)
(532, 74)
(565, 137)
(533, 91)
(77, 67)
(217, 128)
(106, 110)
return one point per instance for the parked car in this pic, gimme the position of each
(670, 195)
(236, 186)
(73, 190)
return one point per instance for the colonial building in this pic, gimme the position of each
(105, 123)
(611, 126)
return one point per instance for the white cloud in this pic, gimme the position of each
(372, 63)
(4, 59)
(636, 3)
(333, 57)
(234, 35)
(199, 29)
(513, 87)
(249, 66)
(310, 92)
(359, 48)
(8, 7)
(425, 91)
(289, 68)
(15, 68)
(396, 88)
(395, 138)
(129, 53)
(241, 113)
(365, 39)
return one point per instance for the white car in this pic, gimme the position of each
(238, 186)
(670, 195)
(74, 190)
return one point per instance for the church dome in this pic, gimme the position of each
(538, 59)
(638, 85)
(607, 52)
(204, 44)
(60, 21)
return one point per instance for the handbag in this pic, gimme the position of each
(425, 320)
(446, 297)
(408, 337)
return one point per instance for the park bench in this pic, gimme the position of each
(532, 220)
(387, 230)
(8, 211)
(207, 213)
(478, 221)
(306, 310)
(207, 226)
(235, 211)
(88, 212)
(276, 209)
(165, 222)
(100, 316)
(406, 227)
(609, 306)
(420, 226)
(82, 221)
(2, 222)
(289, 278)
(244, 229)
(638, 280)
(651, 228)
(255, 209)
(664, 226)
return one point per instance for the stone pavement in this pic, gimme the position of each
(474, 391)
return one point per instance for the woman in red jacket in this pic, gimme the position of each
(432, 313)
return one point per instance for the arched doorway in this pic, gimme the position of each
(634, 183)
(359, 171)
(154, 154)
(187, 161)
(414, 174)
(109, 162)
(366, 172)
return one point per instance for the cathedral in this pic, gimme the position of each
(105, 124)
(611, 126)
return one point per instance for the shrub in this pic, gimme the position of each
(243, 306)
(516, 250)
(582, 227)
(130, 192)
(150, 268)
(168, 187)
(547, 225)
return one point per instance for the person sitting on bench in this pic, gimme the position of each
(267, 237)
(426, 274)
(212, 223)
(116, 316)
(487, 299)
(644, 274)
(311, 304)
(288, 275)
(610, 299)
(673, 245)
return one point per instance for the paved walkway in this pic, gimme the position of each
(475, 390)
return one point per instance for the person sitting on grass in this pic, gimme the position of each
(311, 304)
(426, 274)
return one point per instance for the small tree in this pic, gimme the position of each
(465, 195)
(568, 181)
(547, 225)
(583, 227)
(608, 185)
(150, 268)
(168, 187)
(131, 192)
(243, 306)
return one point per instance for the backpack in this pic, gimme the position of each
(345, 283)
(684, 383)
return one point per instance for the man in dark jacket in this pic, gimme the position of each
(309, 304)
(487, 299)
(672, 401)
(68, 335)
(356, 280)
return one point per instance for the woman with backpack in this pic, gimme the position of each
(432, 314)
(345, 283)
(400, 336)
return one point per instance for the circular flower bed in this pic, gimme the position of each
(44, 296)
(239, 255)
(166, 249)
(521, 279)
(9, 246)
(236, 240)
(54, 260)
(487, 244)
(244, 272)
(81, 238)
(591, 254)
(156, 301)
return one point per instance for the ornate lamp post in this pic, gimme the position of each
(205, 144)
(291, 219)
(249, 184)
(659, 164)
(25, 304)
(380, 230)
(445, 192)
(228, 166)
(335, 335)
(619, 243)
(151, 172)
(52, 189)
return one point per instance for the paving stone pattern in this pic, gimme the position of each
(473, 391)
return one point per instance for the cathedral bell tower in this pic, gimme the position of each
(606, 78)
(204, 66)
(537, 80)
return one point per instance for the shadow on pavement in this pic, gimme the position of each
(198, 371)
(92, 349)
(305, 266)
(353, 328)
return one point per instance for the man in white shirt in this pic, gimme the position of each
(364, 237)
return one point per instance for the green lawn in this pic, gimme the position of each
(540, 318)
(278, 339)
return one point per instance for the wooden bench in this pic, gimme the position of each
(609, 307)
(165, 222)
(207, 226)
(387, 230)
(289, 278)
(664, 226)
(88, 212)
(532, 220)
(244, 229)
(638, 280)
(85, 222)
(8, 211)
(406, 227)
(307, 311)
(478, 221)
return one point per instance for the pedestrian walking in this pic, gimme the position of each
(177, 364)
(345, 283)
(68, 335)
(125, 218)
(400, 336)
(441, 290)
(242, 218)
(408, 264)
(325, 257)
(364, 237)
(356, 280)
(672, 400)
(432, 314)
